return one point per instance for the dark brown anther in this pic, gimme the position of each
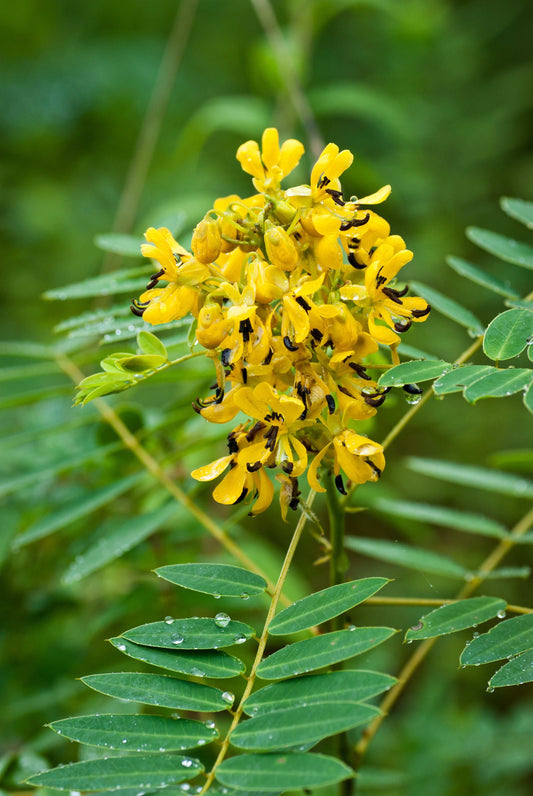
(287, 342)
(244, 375)
(295, 502)
(373, 467)
(224, 356)
(219, 395)
(317, 335)
(241, 496)
(359, 369)
(253, 468)
(339, 483)
(360, 222)
(259, 426)
(245, 328)
(287, 467)
(336, 196)
(137, 310)
(232, 443)
(354, 242)
(323, 182)
(268, 359)
(403, 326)
(330, 400)
(271, 437)
(421, 313)
(197, 408)
(303, 303)
(391, 294)
(377, 398)
(353, 262)
(412, 389)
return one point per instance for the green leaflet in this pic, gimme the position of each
(409, 372)
(117, 773)
(197, 663)
(440, 515)
(195, 634)
(313, 653)
(480, 277)
(158, 689)
(468, 475)
(122, 281)
(456, 616)
(448, 307)
(508, 334)
(517, 671)
(218, 579)
(503, 640)
(324, 605)
(459, 378)
(136, 733)
(518, 209)
(285, 771)
(125, 245)
(299, 725)
(512, 251)
(498, 384)
(315, 689)
(406, 556)
(121, 539)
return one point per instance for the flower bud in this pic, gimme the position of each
(280, 249)
(206, 241)
(212, 326)
(328, 252)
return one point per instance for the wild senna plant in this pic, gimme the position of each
(293, 291)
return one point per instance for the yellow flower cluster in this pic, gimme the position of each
(291, 291)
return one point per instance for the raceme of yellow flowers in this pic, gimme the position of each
(292, 290)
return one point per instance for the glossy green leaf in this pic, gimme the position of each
(117, 773)
(130, 280)
(201, 663)
(512, 251)
(150, 344)
(502, 641)
(459, 378)
(126, 245)
(406, 556)
(313, 653)
(158, 689)
(315, 689)
(190, 634)
(480, 277)
(324, 605)
(508, 334)
(287, 771)
(498, 384)
(218, 579)
(448, 307)
(81, 507)
(412, 372)
(128, 534)
(466, 475)
(456, 616)
(298, 725)
(517, 671)
(137, 733)
(440, 515)
(518, 209)
(142, 363)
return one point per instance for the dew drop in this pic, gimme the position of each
(177, 638)
(169, 620)
(501, 614)
(217, 596)
(197, 672)
(476, 634)
(412, 400)
(352, 627)
(245, 595)
(228, 697)
(210, 725)
(490, 690)
(222, 620)
(186, 763)
(124, 740)
(201, 741)
(240, 638)
(121, 647)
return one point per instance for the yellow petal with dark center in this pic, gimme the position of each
(381, 333)
(230, 488)
(210, 471)
(265, 487)
(250, 404)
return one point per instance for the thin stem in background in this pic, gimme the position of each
(263, 640)
(398, 601)
(152, 123)
(412, 664)
(267, 18)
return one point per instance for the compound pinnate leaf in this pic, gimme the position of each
(298, 725)
(409, 372)
(480, 277)
(190, 634)
(512, 251)
(118, 773)
(219, 579)
(502, 641)
(313, 653)
(517, 671)
(158, 689)
(406, 556)
(508, 334)
(287, 771)
(467, 475)
(459, 378)
(315, 689)
(519, 209)
(137, 733)
(499, 384)
(448, 307)
(324, 605)
(200, 663)
(456, 616)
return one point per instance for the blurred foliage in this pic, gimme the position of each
(433, 96)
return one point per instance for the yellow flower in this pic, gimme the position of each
(358, 457)
(385, 302)
(238, 482)
(269, 166)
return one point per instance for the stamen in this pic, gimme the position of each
(303, 303)
(317, 335)
(336, 196)
(268, 359)
(241, 496)
(373, 467)
(245, 327)
(360, 370)
(224, 356)
(412, 389)
(403, 326)
(287, 467)
(253, 468)
(421, 313)
(330, 400)
(340, 485)
(391, 294)
(353, 262)
(244, 375)
(287, 342)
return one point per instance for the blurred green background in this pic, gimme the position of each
(432, 96)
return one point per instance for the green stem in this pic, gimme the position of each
(338, 565)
